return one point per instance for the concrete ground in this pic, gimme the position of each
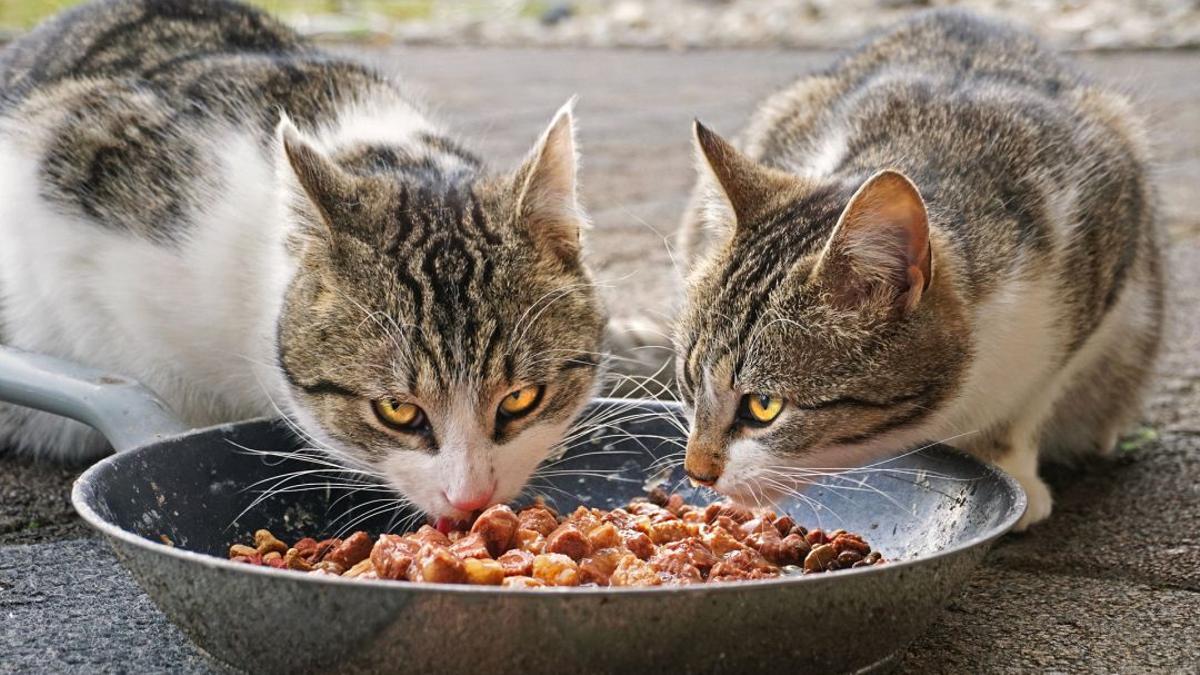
(1110, 583)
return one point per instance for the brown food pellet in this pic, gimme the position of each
(816, 537)
(323, 548)
(847, 558)
(605, 535)
(784, 525)
(470, 546)
(392, 556)
(555, 569)
(241, 551)
(483, 571)
(294, 561)
(530, 540)
(538, 519)
(436, 564)
(265, 542)
(638, 544)
(522, 582)
(306, 548)
(360, 568)
(569, 541)
(352, 550)
(498, 527)
(650, 542)
(819, 558)
(516, 563)
(850, 542)
(331, 567)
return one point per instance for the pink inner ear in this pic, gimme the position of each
(884, 232)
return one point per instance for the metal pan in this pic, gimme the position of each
(934, 512)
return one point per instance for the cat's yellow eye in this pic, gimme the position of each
(521, 401)
(761, 408)
(402, 416)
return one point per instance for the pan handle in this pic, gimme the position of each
(128, 414)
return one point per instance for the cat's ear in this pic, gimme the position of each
(738, 189)
(321, 191)
(879, 250)
(547, 189)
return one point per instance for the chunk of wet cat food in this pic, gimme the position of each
(522, 582)
(351, 551)
(392, 556)
(632, 571)
(483, 571)
(538, 519)
(498, 527)
(555, 569)
(470, 545)
(516, 563)
(568, 541)
(436, 564)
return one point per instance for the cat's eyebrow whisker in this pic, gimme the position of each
(521, 327)
(373, 316)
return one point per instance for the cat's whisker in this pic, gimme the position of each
(522, 324)
(815, 506)
(351, 525)
(859, 485)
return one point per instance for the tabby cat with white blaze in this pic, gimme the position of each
(422, 319)
(947, 235)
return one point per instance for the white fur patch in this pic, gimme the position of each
(827, 156)
(377, 122)
(189, 321)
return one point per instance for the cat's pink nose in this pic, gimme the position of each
(472, 502)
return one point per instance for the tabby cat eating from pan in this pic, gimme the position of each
(422, 319)
(949, 234)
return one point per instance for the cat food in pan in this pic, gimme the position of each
(649, 542)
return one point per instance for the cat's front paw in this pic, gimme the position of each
(1040, 502)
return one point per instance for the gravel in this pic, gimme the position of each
(684, 24)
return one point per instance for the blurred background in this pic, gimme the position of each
(687, 24)
(1109, 583)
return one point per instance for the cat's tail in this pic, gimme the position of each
(641, 362)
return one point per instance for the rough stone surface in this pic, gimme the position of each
(690, 24)
(1110, 583)
(93, 619)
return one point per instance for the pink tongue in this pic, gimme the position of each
(444, 525)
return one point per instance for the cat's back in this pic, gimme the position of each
(1024, 163)
(121, 39)
(131, 114)
(200, 58)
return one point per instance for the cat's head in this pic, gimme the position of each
(440, 328)
(821, 329)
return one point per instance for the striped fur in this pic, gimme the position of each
(1036, 330)
(193, 196)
